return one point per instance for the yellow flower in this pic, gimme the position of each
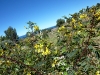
(98, 18)
(6, 43)
(36, 28)
(36, 46)
(56, 51)
(74, 26)
(1, 52)
(65, 34)
(29, 73)
(80, 24)
(8, 62)
(39, 50)
(1, 62)
(73, 20)
(58, 31)
(79, 32)
(82, 16)
(46, 52)
(98, 73)
(54, 63)
(61, 28)
(40, 45)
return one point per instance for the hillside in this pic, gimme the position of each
(70, 48)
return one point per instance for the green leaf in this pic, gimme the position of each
(65, 73)
(72, 54)
(83, 63)
(90, 47)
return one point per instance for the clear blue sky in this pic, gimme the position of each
(17, 13)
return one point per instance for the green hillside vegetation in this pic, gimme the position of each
(72, 48)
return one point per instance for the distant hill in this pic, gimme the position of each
(24, 36)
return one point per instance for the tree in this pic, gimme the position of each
(31, 24)
(60, 22)
(2, 38)
(11, 34)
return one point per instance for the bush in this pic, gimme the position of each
(75, 53)
(60, 22)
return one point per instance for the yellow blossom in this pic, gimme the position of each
(74, 26)
(79, 32)
(73, 20)
(80, 24)
(56, 51)
(1, 52)
(98, 18)
(6, 43)
(82, 16)
(29, 73)
(46, 52)
(39, 50)
(1, 62)
(58, 31)
(36, 28)
(36, 46)
(61, 28)
(54, 63)
(65, 34)
(98, 73)
(40, 45)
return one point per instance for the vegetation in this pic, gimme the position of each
(76, 50)
(11, 34)
(60, 22)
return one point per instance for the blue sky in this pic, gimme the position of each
(16, 13)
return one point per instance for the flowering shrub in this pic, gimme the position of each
(75, 52)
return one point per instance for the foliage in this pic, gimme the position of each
(32, 32)
(75, 53)
(11, 34)
(2, 38)
(60, 22)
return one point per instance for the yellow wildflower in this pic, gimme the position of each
(73, 20)
(61, 28)
(6, 43)
(65, 34)
(1, 52)
(74, 26)
(39, 50)
(98, 73)
(36, 28)
(29, 73)
(54, 63)
(56, 51)
(40, 45)
(82, 16)
(98, 18)
(58, 31)
(36, 46)
(46, 52)
(80, 24)
(1, 62)
(97, 13)
(79, 32)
